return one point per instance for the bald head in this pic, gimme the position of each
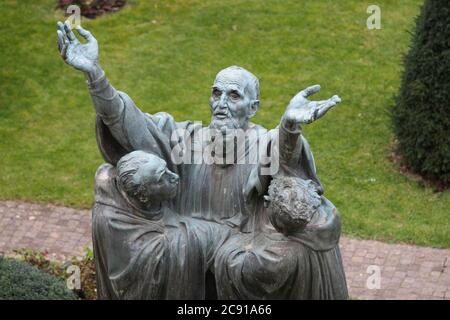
(240, 76)
(234, 98)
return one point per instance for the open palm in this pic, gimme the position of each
(301, 110)
(81, 56)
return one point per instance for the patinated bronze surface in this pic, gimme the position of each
(230, 210)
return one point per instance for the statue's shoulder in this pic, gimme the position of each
(161, 117)
(166, 122)
(258, 128)
(104, 180)
(104, 172)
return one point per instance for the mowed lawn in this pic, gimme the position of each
(165, 55)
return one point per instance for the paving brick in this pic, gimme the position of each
(407, 272)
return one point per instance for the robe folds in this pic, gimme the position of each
(141, 257)
(206, 191)
(211, 226)
(269, 265)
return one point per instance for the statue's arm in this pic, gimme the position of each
(107, 102)
(128, 125)
(290, 143)
(84, 57)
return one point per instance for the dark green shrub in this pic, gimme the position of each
(21, 281)
(421, 115)
(58, 269)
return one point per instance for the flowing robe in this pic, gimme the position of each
(269, 265)
(138, 256)
(207, 191)
(216, 194)
(266, 264)
(131, 250)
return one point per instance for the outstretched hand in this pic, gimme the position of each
(81, 56)
(303, 111)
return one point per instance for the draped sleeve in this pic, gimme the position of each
(132, 130)
(293, 155)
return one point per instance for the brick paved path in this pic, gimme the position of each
(407, 272)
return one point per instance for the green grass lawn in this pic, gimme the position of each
(165, 55)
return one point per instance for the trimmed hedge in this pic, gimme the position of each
(421, 116)
(21, 281)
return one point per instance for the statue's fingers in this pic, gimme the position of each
(60, 37)
(64, 49)
(324, 107)
(320, 102)
(62, 29)
(310, 90)
(85, 34)
(336, 99)
(60, 26)
(69, 32)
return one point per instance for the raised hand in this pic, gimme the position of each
(301, 110)
(81, 56)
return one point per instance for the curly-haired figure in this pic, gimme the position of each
(285, 263)
(295, 263)
(295, 201)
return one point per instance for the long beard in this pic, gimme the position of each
(227, 123)
(225, 145)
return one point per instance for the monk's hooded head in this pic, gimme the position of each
(234, 98)
(146, 178)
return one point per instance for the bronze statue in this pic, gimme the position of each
(224, 232)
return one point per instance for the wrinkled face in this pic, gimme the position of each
(157, 182)
(232, 102)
